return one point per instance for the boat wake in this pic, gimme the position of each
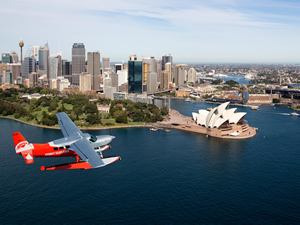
(285, 114)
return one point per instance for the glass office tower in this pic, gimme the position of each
(135, 75)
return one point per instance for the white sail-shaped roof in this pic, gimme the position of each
(236, 117)
(218, 116)
(226, 117)
(195, 116)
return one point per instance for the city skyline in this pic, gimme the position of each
(219, 31)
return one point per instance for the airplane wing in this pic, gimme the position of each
(67, 126)
(87, 153)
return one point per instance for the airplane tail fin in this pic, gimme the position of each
(23, 148)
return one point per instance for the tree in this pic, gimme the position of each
(93, 119)
(90, 108)
(164, 111)
(53, 106)
(217, 81)
(231, 83)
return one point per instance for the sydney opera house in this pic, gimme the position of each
(220, 122)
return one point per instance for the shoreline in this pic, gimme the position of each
(81, 128)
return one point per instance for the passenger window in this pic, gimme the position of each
(55, 148)
(68, 146)
(61, 148)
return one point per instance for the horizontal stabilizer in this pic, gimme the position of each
(28, 156)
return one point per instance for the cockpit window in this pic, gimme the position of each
(93, 138)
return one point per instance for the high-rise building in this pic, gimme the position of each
(44, 53)
(151, 82)
(7, 77)
(165, 59)
(180, 74)
(15, 69)
(6, 58)
(14, 57)
(78, 58)
(158, 68)
(133, 57)
(135, 75)
(55, 66)
(28, 66)
(115, 80)
(93, 68)
(67, 68)
(152, 62)
(105, 64)
(35, 51)
(118, 67)
(146, 70)
(168, 67)
(106, 83)
(85, 82)
(192, 75)
(122, 77)
(164, 80)
(33, 79)
(2, 68)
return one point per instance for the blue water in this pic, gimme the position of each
(237, 78)
(163, 178)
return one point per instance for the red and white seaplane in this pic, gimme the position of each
(85, 147)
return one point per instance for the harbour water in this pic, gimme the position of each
(163, 178)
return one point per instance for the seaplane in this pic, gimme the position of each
(85, 147)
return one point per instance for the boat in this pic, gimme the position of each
(187, 100)
(255, 107)
(153, 129)
(166, 130)
(294, 114)
(208, 109)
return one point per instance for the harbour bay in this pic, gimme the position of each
(175, 177)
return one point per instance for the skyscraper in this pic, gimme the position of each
(93, 68)
(78, 58)
(85, 82)
(164, 80)
(135, 75)
(118, 67)
(28, 66)
(151, 82)
(6, 58)
(35, 50)
(158, 68)
(165, 59)
(44, 53)
(192, 75)
(180, 74)
(168, 67)
(146, 69)
(55, 66)
(105, 64)
(14, 57)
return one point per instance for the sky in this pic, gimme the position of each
(193, 31)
